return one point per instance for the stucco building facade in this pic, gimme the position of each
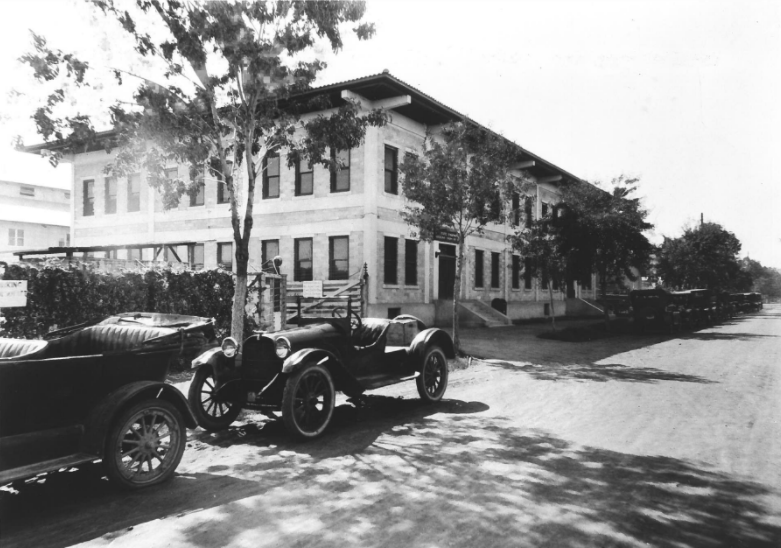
(326, 226)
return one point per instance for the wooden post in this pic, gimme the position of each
(365, 291)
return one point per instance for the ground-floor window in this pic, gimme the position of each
(527, 273)
(391, 260)
(516, 272)
(268, 250)
(478, 268)
(338, 257)
(195, 258)
(494, 270)
(410, 262)
(302, 265)
(225, 255)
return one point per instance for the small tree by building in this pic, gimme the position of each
(230, 100)
(458, 185)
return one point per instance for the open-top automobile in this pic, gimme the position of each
(298, 371)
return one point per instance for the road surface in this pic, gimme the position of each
(629, 441)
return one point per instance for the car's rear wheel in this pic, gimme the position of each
(308, 402)
(210, 413)
(145, 444)
(432, 381)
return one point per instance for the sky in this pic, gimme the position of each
(684, 95)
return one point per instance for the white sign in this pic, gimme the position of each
(313, 289)
(13, 293)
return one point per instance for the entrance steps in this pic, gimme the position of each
(472, 313)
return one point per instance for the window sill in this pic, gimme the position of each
(391, 286)
(411, 286)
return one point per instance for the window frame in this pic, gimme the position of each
(390, 255)
(516, 272)
(88, 198)
(267, 178)
(333, 274)
(410, 266)
(227, 265)
(479, 269)
(496, 277)
(528, 278)
(297, 270)
(191, 256)
(334, 175)
(16, 237)
(393, 170)
(299, 173)
(106, 198)
(201, 194)
(264, 258)
(133, 198)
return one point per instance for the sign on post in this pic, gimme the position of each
(13, 293)
(313, 289)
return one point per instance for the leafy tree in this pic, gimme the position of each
(458, 185)
(762, 279)
(704, 256)
(229, 98)
(539, 243)
(604, 232)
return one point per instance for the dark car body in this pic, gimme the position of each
(351, 356)
(704, 303)
(61, 398)
(655, 309)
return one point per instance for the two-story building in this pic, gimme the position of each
(326, 226)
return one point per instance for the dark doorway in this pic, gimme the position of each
(447, 270)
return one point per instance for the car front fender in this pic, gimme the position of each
(343, 379)
(431, 337)
(103, 414)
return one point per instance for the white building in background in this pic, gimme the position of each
(326, 226)
(32, 216)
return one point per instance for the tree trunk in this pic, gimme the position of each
(552, 310)
(457, 293)
(603, 283)
(238, 311)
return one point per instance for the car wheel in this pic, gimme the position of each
(432, 381)
(308, 402)
(145, 444)
(210, 414)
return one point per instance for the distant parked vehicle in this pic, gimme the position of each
(654, 309)
(617, 303)
(684, 303)
(739, 302)
(754, 301)
(725, 308)
(704, 304)
(96, 391)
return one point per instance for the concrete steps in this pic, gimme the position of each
(489, 316)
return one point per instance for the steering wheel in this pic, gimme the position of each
(355, 319)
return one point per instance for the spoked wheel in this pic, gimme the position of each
(211, 413)
(308, 402)
(145, 445)
(432, 381)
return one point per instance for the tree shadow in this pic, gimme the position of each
(66, 508)
(598, 372)
(467, 481)
(716, 336)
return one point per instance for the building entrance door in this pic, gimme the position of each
(447, 270)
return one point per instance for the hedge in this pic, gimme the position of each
(59, 297)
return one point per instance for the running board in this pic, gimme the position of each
(30, 470)
(384, 380)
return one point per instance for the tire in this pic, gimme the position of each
(432, 381)
(149, 435)
(211, 415)
(308, 402)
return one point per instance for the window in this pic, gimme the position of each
(516, 209)
(302, 270)
(225, 255)
(516, 272)
(478, 268)
(195, 256)
(527, 210)
(391, 260)
(271, 177)
(338, 257)
(134, 192)
(527, 273)
(544, 280)
(268, 250)
(67, 194)
(494, 270)
(391, 170)
(223, 195)
(544, 209)
(111, 195)
(27, 191)
(410, 262)
(340, 180)
(15, 236)
(88, 197)
(304, 179)
(197, 198)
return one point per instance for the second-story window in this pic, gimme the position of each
(223, 194)
(271, 177)
(340, 180)
(197, 198)
(516, 215)
(134, 192)
(391, 170)
(111, 195)
(88, 198)
(304, 179)
(544, 210)
(528, 211)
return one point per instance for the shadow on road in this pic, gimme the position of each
(599, 372)
(716, 336)
(468, 481)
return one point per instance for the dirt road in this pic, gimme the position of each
(629, 441)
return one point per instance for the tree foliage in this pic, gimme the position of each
(458, 185)
(705, 256)
(231, 94)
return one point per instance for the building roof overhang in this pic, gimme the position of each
(68, 251)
